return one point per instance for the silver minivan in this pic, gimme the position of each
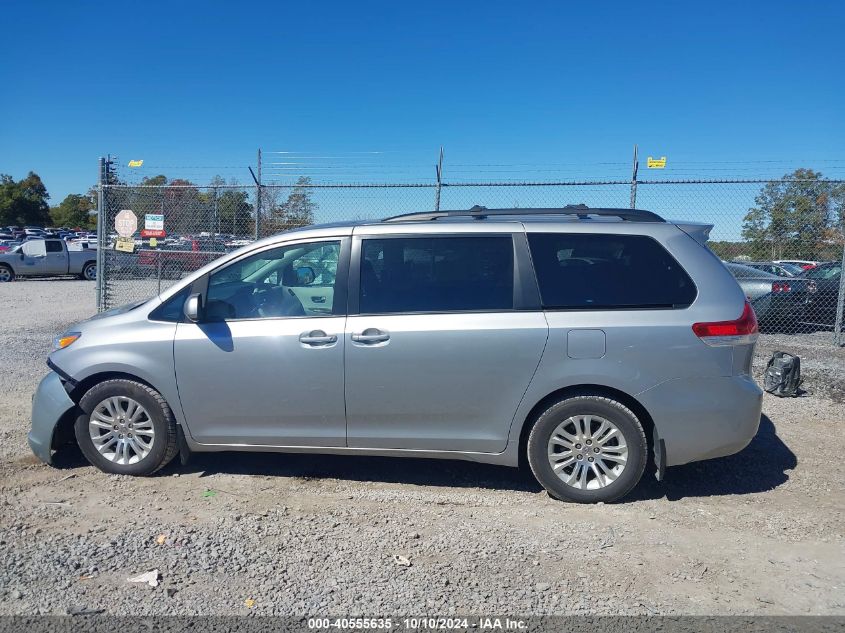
(585, 342)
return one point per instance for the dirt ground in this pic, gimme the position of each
(761, 532)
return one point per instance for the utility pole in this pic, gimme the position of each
(439, 171)
(634, 180)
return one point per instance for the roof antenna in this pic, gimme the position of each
(478, 212)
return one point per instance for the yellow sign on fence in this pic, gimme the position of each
(125, 244)
(656, 163)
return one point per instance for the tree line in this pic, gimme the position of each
(800, 216)
(218, 207)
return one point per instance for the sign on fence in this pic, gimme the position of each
(153, 225)
(125, 223)
(125, 244)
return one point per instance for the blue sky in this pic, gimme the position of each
(544, 90)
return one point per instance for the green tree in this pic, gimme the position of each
(794, 217)
(24, 201)
(298, 210)
(235, 212)
(73, 211)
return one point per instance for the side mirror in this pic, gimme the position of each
(193, 307)
(305, 275)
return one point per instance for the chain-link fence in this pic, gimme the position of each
(781, 239)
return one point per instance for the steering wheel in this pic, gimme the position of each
(275, 301)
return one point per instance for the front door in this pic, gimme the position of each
(264, 367)
(438, 356)
(34, 258)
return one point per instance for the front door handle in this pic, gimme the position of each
(317, 337)
(371, 335)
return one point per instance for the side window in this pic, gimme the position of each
(587, 271)
(289, 281)
(34, 248)
(53, 246)
(172, 309)
(436, 274)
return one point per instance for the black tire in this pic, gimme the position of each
(8, 271)
(164, 446)
(615, 412)
(86, 274)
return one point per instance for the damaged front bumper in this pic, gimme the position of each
(49, 404)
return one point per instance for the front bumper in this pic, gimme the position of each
(703, 418)
(49, 404)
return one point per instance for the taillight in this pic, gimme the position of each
(780, 286)
(742, 331)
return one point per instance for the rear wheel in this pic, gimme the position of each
(89, 271)
(126, 428)
(587, 449)
(6, 273)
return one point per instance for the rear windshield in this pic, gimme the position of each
(825, 272)
(600, 272)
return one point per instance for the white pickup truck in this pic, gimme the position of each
(47, 258)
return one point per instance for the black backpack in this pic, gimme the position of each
(783, 375)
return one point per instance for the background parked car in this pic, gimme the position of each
(814, 298)
(766, 292)
(47, 258)
(805, 264)
(781, 269)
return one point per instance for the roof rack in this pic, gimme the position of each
(581, 210)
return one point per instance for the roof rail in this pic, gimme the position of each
(581, 210)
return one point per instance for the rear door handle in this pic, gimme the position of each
(317, 337)
(371, 335)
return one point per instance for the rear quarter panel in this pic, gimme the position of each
(643, 348)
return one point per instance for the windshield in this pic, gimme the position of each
(792, 269)
(825, 272)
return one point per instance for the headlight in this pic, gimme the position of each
(63, 341)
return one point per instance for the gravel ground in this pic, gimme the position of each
(756, 533)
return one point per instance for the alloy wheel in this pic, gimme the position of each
(587, 452)
(121, 430)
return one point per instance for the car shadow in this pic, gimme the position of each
(761, 466)
(415, 472)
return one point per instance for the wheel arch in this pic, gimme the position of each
(63, 431)
(584, 390)
(84, 385)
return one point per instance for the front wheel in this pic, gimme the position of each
(6, 273)
(587, 449)
(126, 428)
(89, 271)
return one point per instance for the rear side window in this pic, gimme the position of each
(54, 246)
(439, 274)
(592, 272)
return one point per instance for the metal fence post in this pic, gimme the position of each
(439, 172)
(838, 335)
(101, 236)
(258, 199)
(634, 180)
